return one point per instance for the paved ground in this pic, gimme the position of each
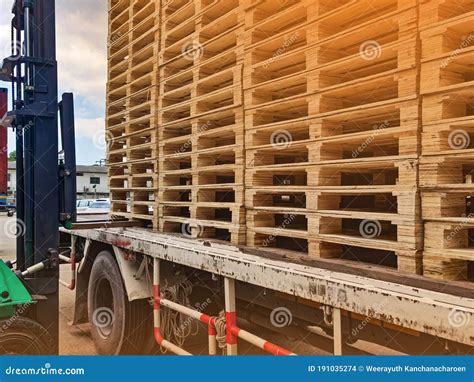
(7, 239)
(76, 340)
(73, 340)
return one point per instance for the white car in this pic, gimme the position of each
(83, 204)
(99, 206)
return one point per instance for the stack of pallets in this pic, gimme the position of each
(131, 107)
(332, 117)
(447, 163)
(338, 128)
(200, 123)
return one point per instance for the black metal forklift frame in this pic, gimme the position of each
(45, 188)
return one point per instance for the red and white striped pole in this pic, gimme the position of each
(230, 315)
(260, 342)
(204, 318)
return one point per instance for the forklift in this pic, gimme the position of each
(46, 182)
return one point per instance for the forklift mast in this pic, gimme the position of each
(3, 152)
(45, 184)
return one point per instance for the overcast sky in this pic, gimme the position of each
(82, 64)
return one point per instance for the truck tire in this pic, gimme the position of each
(118, 326)
(22, 336)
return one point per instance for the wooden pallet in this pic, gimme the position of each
(288, 75)
(451, 106)
(359, 94)
(379, 203)
(325, 236)
(343, 19)
(197, 37)
(447, 172)
(212, 92)
(448, 73)
(131, 108)
(447, 37)
(450, 204)
(220, 230)
(366, 173)
(292, 53)
(451, 137)
(441, 11)
(380, 118)
(370, 146)
(448, 250)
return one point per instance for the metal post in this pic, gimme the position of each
(230, 315)
(211, 331)
(27, 42)
(156, 313)
(337, 330)
(156, 294)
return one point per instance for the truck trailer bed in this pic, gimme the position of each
(438, 308)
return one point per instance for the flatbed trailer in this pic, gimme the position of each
(345, 300)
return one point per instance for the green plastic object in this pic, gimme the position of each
(12, 292)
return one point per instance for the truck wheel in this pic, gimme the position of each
(117, 325)
(22, 336)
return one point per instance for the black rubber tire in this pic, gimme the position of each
(23, 336)
(118, 327)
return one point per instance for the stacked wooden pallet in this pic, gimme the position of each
(447, 163)
(299, 125)
(200, 123)
(131, 107)
(332, 112)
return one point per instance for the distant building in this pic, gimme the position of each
(11, 180)
(92, 182)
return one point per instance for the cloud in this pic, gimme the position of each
(82, 51)
(81, 29)
(89, 127)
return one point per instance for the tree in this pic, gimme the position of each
(12, 156)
